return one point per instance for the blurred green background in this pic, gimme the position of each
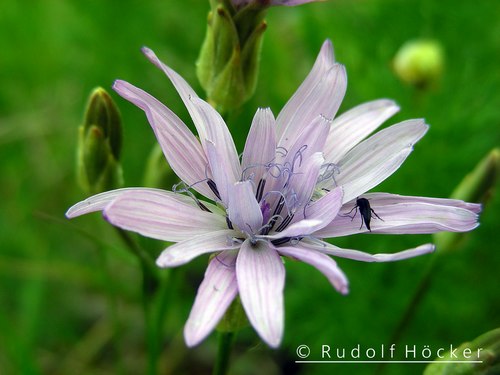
(70, 294)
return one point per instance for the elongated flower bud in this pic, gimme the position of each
(229, 59)
(99, 145)
(485, 350)
(477, 186)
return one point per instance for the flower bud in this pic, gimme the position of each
(477, 186)
(229, 59)
(419, 63)
(485, 349)
(99, 145)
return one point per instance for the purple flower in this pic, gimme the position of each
(298, 182)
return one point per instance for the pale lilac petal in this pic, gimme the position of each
(327, 248)
(216, 292)
(185, 91)
(317, 215)
(261, 279)
(99, 201)
(325, 208)
(221, 177)
(326, 265)
(307, 141)
(303, 181)
(404, 216)
(181, 148)
(260, 146)
(161, 215)
(299, 229)
(304, 157)
(387, 199)
(376, 158)
(218, 133)
(353, 126)
(243, 209)
(208, 122)
(320, 94)
(185, 251)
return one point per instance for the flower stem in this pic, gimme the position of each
(153, 300)
(138, 251)
(412, 306)
(223, 353)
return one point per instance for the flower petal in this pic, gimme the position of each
(387, 199)
(185, 91)
(99, 201)
(243, 209)
(260, 146)
(218, 133)
(327, 248)
(223, 180)
(298, 167)
(404, 216)
(181, 148)
(161, 215)
(208, 122)
(216, 292)
(261, 279)
(320, 94)
(299, 229)
(353, 126)
(325, 208)
(303, 180)
(185, 251)
(314, 217)
(326, 265)
(376, 158)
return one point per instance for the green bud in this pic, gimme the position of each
(229, 58)
(419, 63)
(99, 145)
(477, 186)
(485, 348)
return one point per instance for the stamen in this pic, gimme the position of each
(280, 241)
(280, 150)
(330, 169)
(260, 189)
(284, 223)
(264, 230)
(213, 187)
(228, 222)
(185, 189)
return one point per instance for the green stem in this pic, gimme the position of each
(411, 308)
(155, 309)
(145, 259)
(151, 292)
(223, 353)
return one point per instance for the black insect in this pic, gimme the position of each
(365, 211)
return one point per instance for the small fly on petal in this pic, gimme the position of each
(365, 211)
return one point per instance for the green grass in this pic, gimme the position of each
(70, 294)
